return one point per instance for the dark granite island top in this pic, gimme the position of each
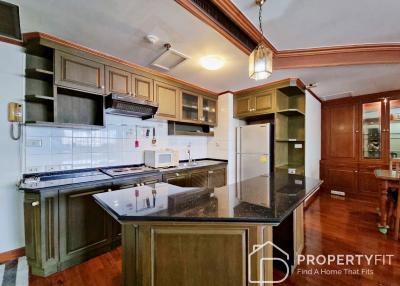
(196, 236)
(258, 200)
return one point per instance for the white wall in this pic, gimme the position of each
(223, 144)
(313, 136)
(12, 65)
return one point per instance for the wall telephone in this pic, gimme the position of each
(15, 115)
(14, 112)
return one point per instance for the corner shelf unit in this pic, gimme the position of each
(289, 130)
(47, 104)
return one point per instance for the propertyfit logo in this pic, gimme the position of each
(258, 249)
(350, 264)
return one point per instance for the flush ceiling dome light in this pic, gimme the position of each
(212, 62)
(260, 60)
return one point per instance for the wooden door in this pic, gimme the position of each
(167, 97)
(118, 81)
(243, 106)
(262, 103)
(371, 142)
(142, 87)
(199, 178)
(209, 110)
(190, 104)
(342, 178)
(217, 178)
(177, 179)
(84, 225)
(342, 134)
(368, 184)
(79, 73)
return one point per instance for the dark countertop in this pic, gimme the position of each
(257, 200)
(76, 179)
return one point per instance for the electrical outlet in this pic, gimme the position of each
(32, 169)
(298, 146)
(34, 143)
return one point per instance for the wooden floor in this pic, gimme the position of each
(333, 226)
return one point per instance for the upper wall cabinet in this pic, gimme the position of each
(118, 81)
(79, 73)
(254, 104)
(142, 87)
(168, 99)
(197, 108)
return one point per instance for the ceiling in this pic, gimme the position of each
(118, 28)
(296, 24)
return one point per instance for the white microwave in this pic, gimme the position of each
(161, 158)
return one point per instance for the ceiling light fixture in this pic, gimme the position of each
(212, 62)
(260, 60)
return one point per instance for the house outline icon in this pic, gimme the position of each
(258, 247)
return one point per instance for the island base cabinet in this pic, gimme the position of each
(85, 228)
(41, 232)
(195, 254)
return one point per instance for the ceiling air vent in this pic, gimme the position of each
(169, 59)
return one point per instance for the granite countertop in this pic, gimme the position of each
(264, 199)
(94, 177)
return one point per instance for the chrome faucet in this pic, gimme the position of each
(190, 160)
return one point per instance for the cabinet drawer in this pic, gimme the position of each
(79, 73)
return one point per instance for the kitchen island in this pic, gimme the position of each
(198, 236)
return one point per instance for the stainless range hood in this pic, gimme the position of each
(127, 105)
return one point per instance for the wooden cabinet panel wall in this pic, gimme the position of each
(142, 87)
(344, 165)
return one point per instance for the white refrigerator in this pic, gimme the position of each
(253, 151)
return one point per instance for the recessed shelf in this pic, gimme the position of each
(37, 73)
(291, 112)
(38, 98)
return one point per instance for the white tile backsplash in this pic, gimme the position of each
(64, 148)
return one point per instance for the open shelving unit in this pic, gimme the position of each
(50, 105)
(289, 130)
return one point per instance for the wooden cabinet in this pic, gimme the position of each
(168, 99)
(196, 108)
(298, 231)
(217, 178)
(180, 179)
(342, 177)
(256, 104)
(118, 81)
(357, 138)
(342, 129)
(79, 73)
(84, 226)
(199, 178)
(211, 177)
(142, 87)
(41, 232)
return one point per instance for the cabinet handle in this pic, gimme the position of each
(211, 172)
(355, 171)
(177, 174)
(35, 203)
(356, 131)
(109, 190)
(102, 87)
(151, 182)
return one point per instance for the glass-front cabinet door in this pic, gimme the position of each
(371, 120)
(190, 106)
(209, 110)
(394, 128)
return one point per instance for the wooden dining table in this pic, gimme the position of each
(387, 179)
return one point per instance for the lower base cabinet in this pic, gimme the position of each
(351, 178)
(203, 178)
(85, 228)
